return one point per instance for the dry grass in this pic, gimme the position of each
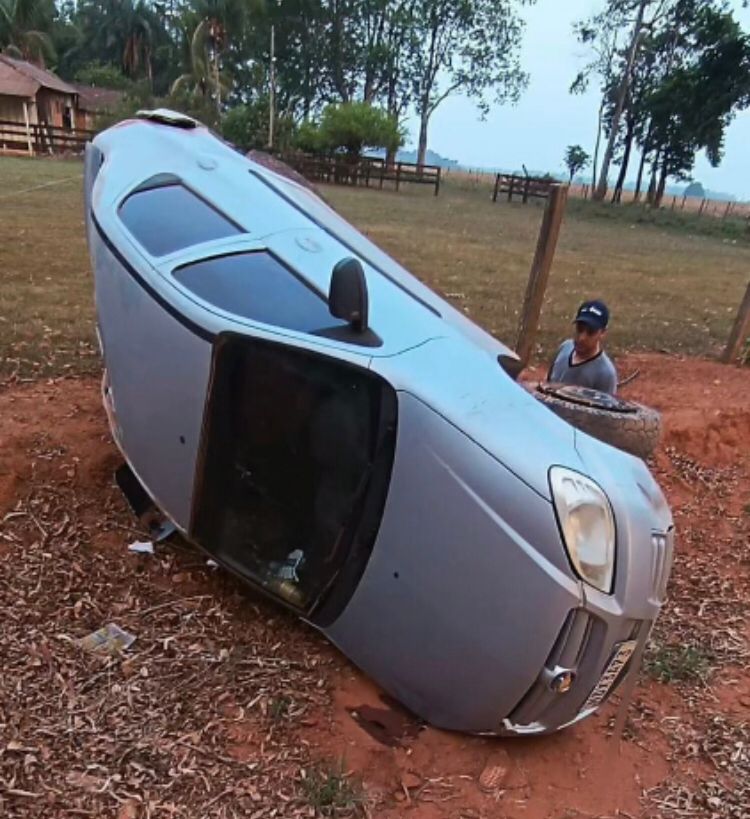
(46, 305)
(668, 289)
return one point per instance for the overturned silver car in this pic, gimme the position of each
(351, 445)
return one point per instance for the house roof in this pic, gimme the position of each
(15, 84)
(21, 79)
(95, 99)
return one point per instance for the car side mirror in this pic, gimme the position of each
(348, 299)
(511, 364)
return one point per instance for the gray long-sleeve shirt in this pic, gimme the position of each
(597, 373)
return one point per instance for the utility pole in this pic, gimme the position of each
(272, 90)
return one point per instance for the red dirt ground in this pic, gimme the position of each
(703, 465)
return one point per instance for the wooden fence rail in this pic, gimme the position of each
(39, 138)
(524, 186)
(368, 171)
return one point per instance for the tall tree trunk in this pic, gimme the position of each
(644, 158)
(217, 81)
(617, 197)
(651, 195)
(597, 145)
(392, 106)
(424, 120)
(601, 189)
(639, 180)
(391, 153)
(662, 181)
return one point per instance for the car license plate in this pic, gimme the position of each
(620, 658)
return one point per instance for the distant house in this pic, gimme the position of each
(40, 113)
(95, 101)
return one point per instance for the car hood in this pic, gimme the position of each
(469, 388)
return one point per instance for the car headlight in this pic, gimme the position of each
(588, 526)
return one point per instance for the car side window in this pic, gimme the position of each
(168, 217)
(257, 286)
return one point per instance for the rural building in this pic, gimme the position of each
(94, 101)
(40, 113)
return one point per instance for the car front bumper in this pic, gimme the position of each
(592, 638)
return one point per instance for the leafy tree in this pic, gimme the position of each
(103, 75)
(695, 190)
(25, 27)
(601, 35)
(246, 126)
(623, 89)
(469, 46)
(576, 159)
(309, 139)
(354, 125)
(351, 126)
(707, 80)
(669, 50)
(125, 33)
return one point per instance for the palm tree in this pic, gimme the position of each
(218, 22)
(122, 33)
(200, 80)
(138, 35)
(22, 34)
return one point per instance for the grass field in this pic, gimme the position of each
(670, 287)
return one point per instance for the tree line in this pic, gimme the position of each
(327, 75)
(672, 74)
(213, 58)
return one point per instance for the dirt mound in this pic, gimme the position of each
(705, 407)
(225, 705)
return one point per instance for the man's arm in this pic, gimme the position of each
(609, 381)
(555, 360)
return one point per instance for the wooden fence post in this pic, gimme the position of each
(540, 270)
(510, 189)
(398, 175)
(526, 191)
(740, 330)
(437, 181)
(28, 128)
(497, 187)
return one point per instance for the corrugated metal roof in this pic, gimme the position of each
(40, 76)
(15, 84)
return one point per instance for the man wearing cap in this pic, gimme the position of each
(581, 361)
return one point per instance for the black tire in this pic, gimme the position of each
(636, 431)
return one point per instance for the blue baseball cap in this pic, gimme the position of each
(593, 313)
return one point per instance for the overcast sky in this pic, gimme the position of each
(547, 119)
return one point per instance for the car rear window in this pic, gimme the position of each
(165, 218)
(257, 286)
